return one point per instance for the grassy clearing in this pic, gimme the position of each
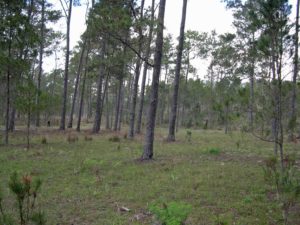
(89, 181)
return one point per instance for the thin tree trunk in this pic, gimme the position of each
(149, 136)
(28, 128)
(82, 91)
(37, 122)
(79, 69)
(96, 127)
(172, 123)
(107, 127)
(7, 93)
(89, 103)
(137, 75)
(104, 95)
(118, 104)
(66, 73)
(293, 114)
(147, 56)
(121, 108)
(12, 119)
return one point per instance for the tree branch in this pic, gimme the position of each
(131, 48)
(63, 7)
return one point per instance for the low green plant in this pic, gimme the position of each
(88, 138)
(284, 179)
(25, 190)
(173, 213)
(188, 135)
(114, 139)
(44, 140)
(214, 151)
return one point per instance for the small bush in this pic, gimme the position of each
(284, 179)
(188, 135)
(173, 213)
(214, 151)
(25, 190)
(114, 139)
(72, 138)
(44, 140)
(88, 138)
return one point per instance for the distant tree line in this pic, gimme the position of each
(125, 72)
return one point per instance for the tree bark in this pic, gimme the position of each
(82, 91)
(79, 69)
(149, 136)
(11, 126)
(7, 92)
(66, 73)
(136, 75)
(104, 95)
(293, 114)
(147, 56)
(41, 54)
(172, 123)
(107, 126)
(118, 104)
(96, 127)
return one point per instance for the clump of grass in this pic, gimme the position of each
(114, 138)
(88, 138)
(284, 180)
(91, 164)
(72, 138)
(188, 135)
(44, 140)
(173, 213)
(214, 151)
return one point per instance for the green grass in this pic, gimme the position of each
(88, 182)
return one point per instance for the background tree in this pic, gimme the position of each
(171, 135)
(149, 136)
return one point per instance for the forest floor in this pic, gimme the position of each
(92, 182)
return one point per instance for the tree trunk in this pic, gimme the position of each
(107, 127)
(147, 56)
(149, 136)
(70, 124)
(82, 91)
(118, 104)
(28, 129)
(12, 118)
(37, 122)
(136, 75)
(7, 93)
(172, 123)
(104, 95)
(96, 127)
(293, 113)
(121, 108)
(66, 73)
(89, 103)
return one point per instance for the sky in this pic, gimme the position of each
(202, 16)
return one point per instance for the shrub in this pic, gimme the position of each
(114, 139)
(214, 151)
(25, 190)
(173, 213)
(284, 179)
(72, 138)
(88, 138)
(188, 135)
(44, 140)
